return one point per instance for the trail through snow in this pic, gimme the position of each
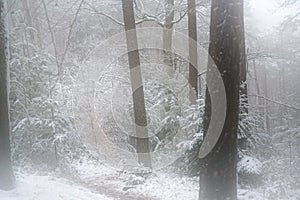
(100, 182)
(36, 187)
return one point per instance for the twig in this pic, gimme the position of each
(146, 17)
(70, 33)
(180, 18)
(52, 37)
(200, 74)
(104, 14)
(276, 102)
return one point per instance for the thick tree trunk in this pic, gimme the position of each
(244, 84)
(218, 175)
(141, 139)
(244, 68)
(193, 65)
(6, 174)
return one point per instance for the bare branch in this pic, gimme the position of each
(143, 16)
(104, 14)
(70, 33)
(181, 17)
(276, 102)
(255, 55)
(202, 73)
(149, 19)
(146, 17)
(52, 37)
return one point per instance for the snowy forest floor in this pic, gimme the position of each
(100, 182)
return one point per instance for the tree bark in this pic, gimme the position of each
(141, 139)
(28, 19)
(258, 101)
(6, 172)
(168, 35)
(193, 53)
(218, 174)
(266, 111)
(242, 142)
(244, 66)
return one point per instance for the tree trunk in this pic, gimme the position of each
(6, 172)
(167, 36)
(258, 100)
(28, 19)
(266, 111)
(141, 139)
(193, 53)
(218, 174)
(242, 142)
(244, 69)
(282, 95)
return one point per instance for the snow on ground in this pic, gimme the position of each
(169, 187)
(163, 186)
(35, 187)
(159, 185)
(102, 182)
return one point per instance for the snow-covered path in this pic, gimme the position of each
(100, 182)
(36, 187)
(125, 185)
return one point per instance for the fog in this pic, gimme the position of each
(150, 99)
